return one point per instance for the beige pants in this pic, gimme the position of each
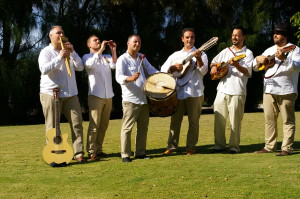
(99, 114)
(232, 105)
(273, 104)
(132, 113)
(70, 107)
(192, 106)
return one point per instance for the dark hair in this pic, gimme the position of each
(133, 35)
(187, 29)
(240, 28)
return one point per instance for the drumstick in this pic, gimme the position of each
(141, 62)
(142, 58)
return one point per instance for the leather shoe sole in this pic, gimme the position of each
(80, 159)
(283, 153)
(168, 151)
(263, 151)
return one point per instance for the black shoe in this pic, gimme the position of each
(233, 152)
(217, 150)
(127, 159)
(102, 154)
(143, 157)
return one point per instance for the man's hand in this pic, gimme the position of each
(262, 60)
(132, 78)
(213, 70)
(280, 55)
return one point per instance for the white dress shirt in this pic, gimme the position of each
(235, 82)
(126, 66)
(99, 72)
(285, 78)
(54, 72)
(194, 86)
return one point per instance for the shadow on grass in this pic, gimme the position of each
(207, 149)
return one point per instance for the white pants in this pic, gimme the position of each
(234, 106)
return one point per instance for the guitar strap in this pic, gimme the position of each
(231, 51)
(276, 69)
(274, 72)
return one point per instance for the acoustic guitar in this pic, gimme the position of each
(57, 151)
(186, 62)
(271, 58)
(222, 68)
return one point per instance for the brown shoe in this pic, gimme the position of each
(94, 157)
(168, 152)
(190, 151)
(283, 153)
(263, 151)
(80, 159)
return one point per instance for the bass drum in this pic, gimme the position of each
(160, 89)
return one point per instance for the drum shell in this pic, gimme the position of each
(162, 104)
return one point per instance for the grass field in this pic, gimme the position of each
(246, 175)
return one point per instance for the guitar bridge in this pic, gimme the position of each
(58, 151)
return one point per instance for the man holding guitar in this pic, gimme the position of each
(54, 74)
(280, 89)
(190, 91)
(231, 91)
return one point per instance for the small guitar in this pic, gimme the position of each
(222, 68)
(186, 62)
(57, 151)
(271, 58)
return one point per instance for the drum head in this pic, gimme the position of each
(160, 86)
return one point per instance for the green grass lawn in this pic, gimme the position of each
(246, 175)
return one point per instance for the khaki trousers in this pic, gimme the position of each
(132, 113)
(71, 109)
(99, 115)
(273, 104)
(192, 106)
(232, 105)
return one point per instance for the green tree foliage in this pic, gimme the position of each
(24, 27)
(295, 21)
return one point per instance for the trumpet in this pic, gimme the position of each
(67, 59)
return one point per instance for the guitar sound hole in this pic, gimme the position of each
(57, 139)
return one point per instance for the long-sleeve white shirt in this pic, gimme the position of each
(126, 66)
(235, 82)
(99, 74)
(285, 78)
(194, 77)
(54, 72)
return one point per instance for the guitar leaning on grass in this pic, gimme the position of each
(271, 58)
(186, 62)
(57, 151)
(222, 68)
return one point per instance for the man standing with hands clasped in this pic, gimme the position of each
(280, 89)
(98, 67)
(132, 77)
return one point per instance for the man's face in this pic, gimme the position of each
(55, 34)
(279, 39)
(188, 39)
(94, 43)
(134, 43)
(237, 37)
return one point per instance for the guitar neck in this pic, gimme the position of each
(57, 118)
